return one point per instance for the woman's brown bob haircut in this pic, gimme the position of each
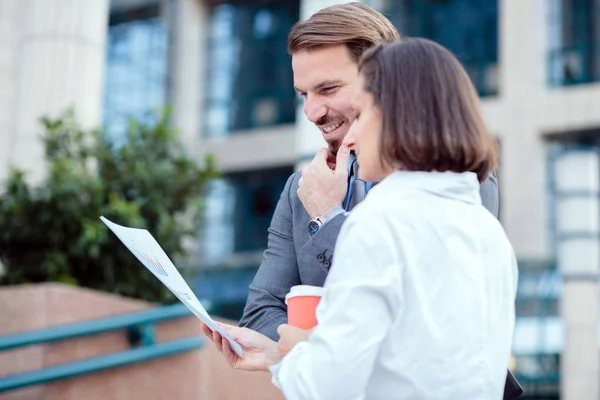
(431, 120)
(355, 25)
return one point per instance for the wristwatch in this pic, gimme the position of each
(314, 225)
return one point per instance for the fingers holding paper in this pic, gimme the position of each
(260, 352)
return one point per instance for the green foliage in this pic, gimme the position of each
(52, 232)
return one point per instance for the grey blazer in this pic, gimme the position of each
(293, 258)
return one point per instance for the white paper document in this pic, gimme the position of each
(146, 249)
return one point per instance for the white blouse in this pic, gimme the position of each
(419, 301)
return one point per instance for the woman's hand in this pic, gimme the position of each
(289, 336)
(260, 352)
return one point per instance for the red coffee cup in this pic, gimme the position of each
(302, 302)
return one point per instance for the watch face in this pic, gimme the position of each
(313, 227)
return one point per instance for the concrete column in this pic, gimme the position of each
(188, 27)
(60, 63)
(11, 26)
(187, 21)
(526, 54)
(579, 363)
(308, 136)
(578, 225)
(522, 71)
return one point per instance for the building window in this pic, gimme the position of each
(537, 340)
(467, 28)
(218, 225)
(239, 209)
(250, 81)
(574, 56)
(238, 213)
(135, 83)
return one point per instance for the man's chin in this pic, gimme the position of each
(334, 146)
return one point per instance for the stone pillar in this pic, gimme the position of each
(308, 136)
(10, 30)
(522, 72)
(188, 56)
(188, 26)
(60, 63)
(578, 248)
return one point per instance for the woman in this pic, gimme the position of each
(420, 298)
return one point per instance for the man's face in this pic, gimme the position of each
(324, 78)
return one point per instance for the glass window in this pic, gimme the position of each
(237, 216)
(467, 28)
(574, 30)
(250, 81)
(135, 83)
(537, 338)
(238, 212)
(218, 240)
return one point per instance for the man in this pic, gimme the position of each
(325, 51)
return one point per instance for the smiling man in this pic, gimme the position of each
(325, 52)
(323, 78)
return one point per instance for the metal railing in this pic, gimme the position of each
(140, 327)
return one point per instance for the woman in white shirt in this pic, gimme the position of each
(420, 298)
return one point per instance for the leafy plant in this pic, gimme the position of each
(52, 231)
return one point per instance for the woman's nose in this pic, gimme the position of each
(350, 139)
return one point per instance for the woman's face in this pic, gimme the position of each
(365, 134)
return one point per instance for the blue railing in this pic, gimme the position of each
(140, 327)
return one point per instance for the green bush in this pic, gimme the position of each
(52, 232)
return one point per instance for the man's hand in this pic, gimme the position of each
(289, 337)
(260, 352)
(322, 188)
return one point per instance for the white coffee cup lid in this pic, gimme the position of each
(304, 290)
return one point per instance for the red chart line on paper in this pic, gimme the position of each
(157, 266)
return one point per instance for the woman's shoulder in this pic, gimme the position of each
(380, 213)
(385, 201)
